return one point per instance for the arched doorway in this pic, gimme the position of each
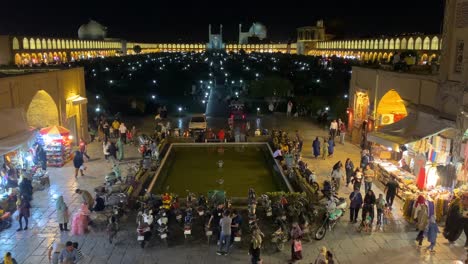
(391, 108)
(42, 110)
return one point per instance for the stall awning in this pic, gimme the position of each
(412, 128)
(15, 131)
(14, 142)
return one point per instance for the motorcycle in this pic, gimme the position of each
(188, 222)
(145, 221)
(201, 205)
(176, 210)
(280, 236)
(333, 213)
(114, 176)
(162, 227)
(266, 204)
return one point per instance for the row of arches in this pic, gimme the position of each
(418, 43)
(424, 58)
(58, 56)
(52, 44)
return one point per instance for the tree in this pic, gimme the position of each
(137, 49)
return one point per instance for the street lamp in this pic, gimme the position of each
(327, 108)
(154, 81)
(180, 109)
(111, 81)
(345, 96)
(153, 96)
(97, 96)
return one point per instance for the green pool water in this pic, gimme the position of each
(195, 168)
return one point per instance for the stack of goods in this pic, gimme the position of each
(386, 170)
(57, 144)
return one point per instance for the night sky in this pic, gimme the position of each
(179, 21)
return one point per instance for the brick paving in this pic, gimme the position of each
(395, 245)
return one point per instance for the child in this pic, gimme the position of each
(79, 253)
(432, 231)
(367, 222)
(380, 204)
(386, 215)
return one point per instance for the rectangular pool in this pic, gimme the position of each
(195, 167)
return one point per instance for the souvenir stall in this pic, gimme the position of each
(420, 159)
(57, 144)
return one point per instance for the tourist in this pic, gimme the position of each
(123, 132)
(235, 225)
(422, 215)
(62, 213)
(84, 148)
(25, 187)
(225, 235)
(105, 147)
(337, 165)
(78, 163)
(355, 204)
(369, 176)
(333, 129)
(80, 221)
(322, 256)
(106, 129)
(8, 259)
(432, 232)
(342, 130)
(324, 148)
(337, 176)
(357, 179)
(216, 216)
(316, 147)
(69, 254)
(391, 188)
(78, 252)
(331, 147)
(115, 128)
(54, 252)
(85, 197)
(368, 206)
(278, 155)
(99, 204)
(221, 135)
(41, 156)
(120, 149)
(23, 207)
(289, 109)
(296, 245)
(380, 205)
(112, 149)
(349, 167)
(255, 245)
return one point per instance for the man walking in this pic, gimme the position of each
(337, 175)
(69, 254)
(225, 238)
(369, 176)
(333, 129)
(391, 189)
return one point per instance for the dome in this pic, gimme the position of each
(258, 30)
(92, 30)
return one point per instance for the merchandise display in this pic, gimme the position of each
(57, 144)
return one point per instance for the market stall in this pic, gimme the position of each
(57, 144)
(416, 151)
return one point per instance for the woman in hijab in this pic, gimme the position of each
(8, 259)
(78, 163)
(62, 213)
(316, 147)
(80, 220)
(296, 247)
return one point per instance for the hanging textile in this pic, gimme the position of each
(421, 182)
(431, 208)
(419, 161)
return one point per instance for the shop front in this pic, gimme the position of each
(417, 152)
(16, 153)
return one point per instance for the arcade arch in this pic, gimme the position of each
(42, 111)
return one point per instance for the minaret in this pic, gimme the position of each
(221, 31)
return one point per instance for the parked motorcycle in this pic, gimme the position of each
(266, 204)
(162, 228)
(280, 236)
(145, 221)
(188, 222)
(114, 176)
(333, 213)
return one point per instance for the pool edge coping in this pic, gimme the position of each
(163, 161)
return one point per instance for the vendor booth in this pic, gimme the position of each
(16, 152)
(417, 151)
(57, 144)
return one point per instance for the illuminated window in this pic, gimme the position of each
(385, 44)
(63, 44)
(410, 44)
(397, 44)
(44, 44)
(404, 44)
(32, 44)
(15, 43)
(38, 44)
(54, 44)
(427, 43)
(391, 44)
(381, 44)
(435, 43)
(49, 44)
(418, 44)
